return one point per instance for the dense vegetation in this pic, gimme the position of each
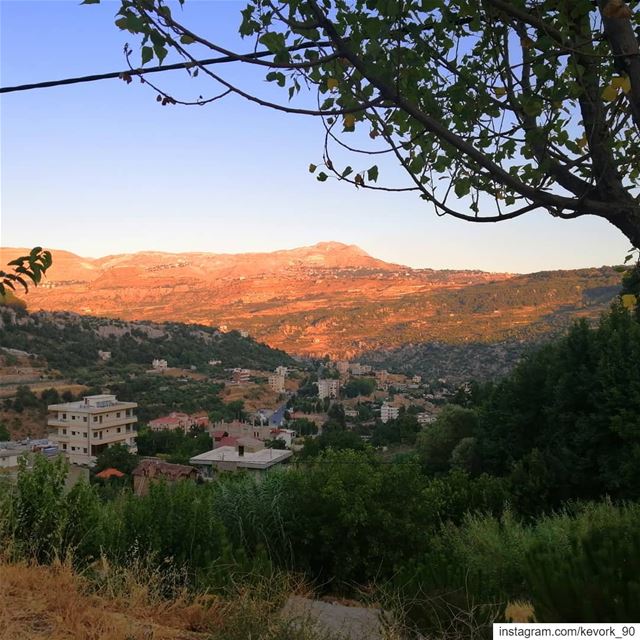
(69, 343)
(526, 490)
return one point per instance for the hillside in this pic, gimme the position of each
(330, 298)
(68, 341)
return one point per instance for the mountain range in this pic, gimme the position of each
(327, 299)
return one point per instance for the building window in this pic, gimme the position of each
(73, 417)
(84, 419)
(64, 447)
(64, 432)
(64, 416)
(95, 418)
(118, 414)
(85, 449)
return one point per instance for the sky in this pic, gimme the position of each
(102, 168)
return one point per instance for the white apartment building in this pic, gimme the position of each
(388, 412)
(104, 355)
(276, 383)
(328, 388)
(159, 365)
(282, 371)
(85, 428)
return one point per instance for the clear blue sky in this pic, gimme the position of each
(102, 168)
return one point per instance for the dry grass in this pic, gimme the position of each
(53, 603)
(519, 612)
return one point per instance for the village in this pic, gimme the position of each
(282, 411)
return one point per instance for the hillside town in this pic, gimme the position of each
(281, 413)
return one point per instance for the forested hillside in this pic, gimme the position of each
(67, 342)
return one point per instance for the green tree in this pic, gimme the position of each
(520, 106)
(117, 456)
(437, 443)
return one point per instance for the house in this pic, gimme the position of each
(358, 369)
(237, 429)
(328, 388)
(213, 363)
(85, 428)
(286, 435)
(388, 412)
(173, 421)
(282, 371)
(416, 379)
(104, 355)
(240, 376)
(159, 365)
(382, 378)
(248, 455)
(151, 470)
(176, 420)
(425, 418)
(276, 383)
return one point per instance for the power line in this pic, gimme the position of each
(141, 72)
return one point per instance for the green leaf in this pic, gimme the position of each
(372, 174)
(185, 39)
(346, 172)
(322, 176)
(90, 2)
(147, 54)
(312, 168)
(462, 187)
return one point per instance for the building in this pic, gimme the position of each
(85, 428)
(416, 379)
(176, 420)
(382, 378)
(343, 367)
(358, 369)
(276, 383)
(244, 333)
(150, 470)
(213, 363)
(241, 376)
(104, 355)
(328, 388)
(388, 412)
(237, 429)
(282, 371)
(286, 435)
(425, 418)
(159, 365)
(248, 455)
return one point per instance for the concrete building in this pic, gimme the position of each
(416, 379)
(248, 455)
(85, 428)
(282, 371)
(276, 383)
(358, 369)
(328, 388)
(388, 412)
(382, 379)
(241, 376)
(425, 418)
(104, 355)
(286, 435)
(159, 365)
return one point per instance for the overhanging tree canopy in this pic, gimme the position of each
(535, 104)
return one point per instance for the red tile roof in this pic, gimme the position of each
(109, 473)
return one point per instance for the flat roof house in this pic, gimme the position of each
(85, 428)
(248, 454)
